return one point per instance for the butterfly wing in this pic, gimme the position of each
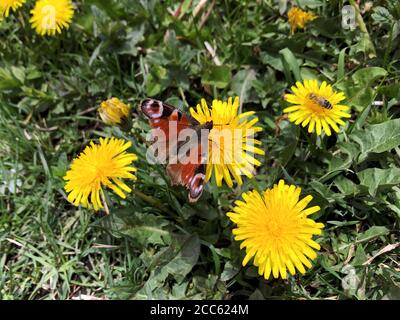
(189, 167)
(190, 174)
(160, 115)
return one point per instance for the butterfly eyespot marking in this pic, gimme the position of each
(152, 108)
(322, 102)
(196, 187)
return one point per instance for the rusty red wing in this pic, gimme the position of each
(191, 174)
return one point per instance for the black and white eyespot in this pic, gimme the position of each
(153, 109)
(196, 187)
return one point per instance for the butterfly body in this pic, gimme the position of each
(187, 171)
(320, 101)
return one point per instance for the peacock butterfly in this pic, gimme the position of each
(182, 142)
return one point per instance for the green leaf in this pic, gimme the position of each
(374, 178)
(290, 63)
(326, 264)
(346, 186)
(230, 270)
(377, 138)
(242, 84)
(133, 37)
(359, 257)
(381, 15)
(391, 91)
(156, 81)
(184, 262)
(176, 261)
(393, 294)
(218, 76)
(367, 76)
(338, 164)
(19, 74)
(272, 60)
(282, 4)
(359, 90)
(148, 230)
(359, 96)
(340, 71)
(363, 117)
(95, 53)
(285, 150)
(7, 80)
(106, 6)
(372, 233)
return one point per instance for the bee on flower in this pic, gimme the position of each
(318, 107)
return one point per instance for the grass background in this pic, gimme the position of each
(154, 244)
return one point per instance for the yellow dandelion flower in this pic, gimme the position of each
(276, 231)
(114, 111)
(317, 107)
(100, 165)
(6, 5)
(231, 143)
(298, 18)
(51, 16)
